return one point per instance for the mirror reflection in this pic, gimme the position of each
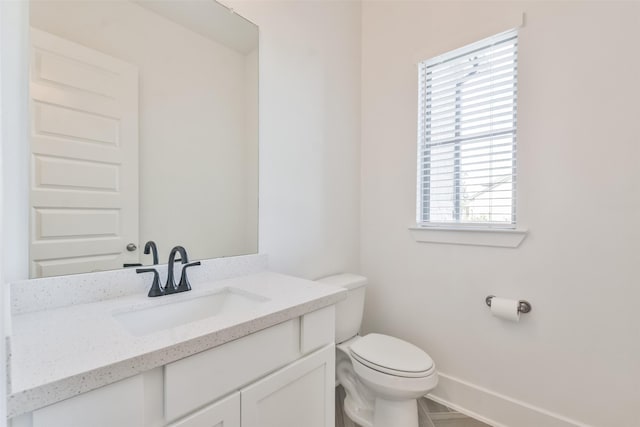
(144, 127)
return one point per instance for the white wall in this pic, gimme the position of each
(15, 145)
(14, 164)
(195, 152)
(309, 133)
(577, 354)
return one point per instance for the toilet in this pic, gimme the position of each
(383, 376)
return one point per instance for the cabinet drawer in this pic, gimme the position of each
(225, 413)
(193, 382)
(118, 404)
(317, 329)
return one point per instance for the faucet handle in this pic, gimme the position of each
(184, 284)
(156, 290)
(170, 287)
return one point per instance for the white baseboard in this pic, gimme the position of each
(492, 408)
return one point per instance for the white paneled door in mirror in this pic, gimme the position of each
(84, 157)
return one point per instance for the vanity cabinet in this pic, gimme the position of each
(281, 376)
(300, 394)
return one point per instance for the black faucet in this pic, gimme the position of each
(183, 285)
(170, 287)
(151, 246)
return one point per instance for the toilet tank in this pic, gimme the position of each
(348, 311)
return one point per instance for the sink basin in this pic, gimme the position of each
(227, 302)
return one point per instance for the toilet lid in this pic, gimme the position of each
(391, 355)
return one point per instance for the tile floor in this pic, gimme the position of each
(431, 414)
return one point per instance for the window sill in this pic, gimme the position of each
(496, 237)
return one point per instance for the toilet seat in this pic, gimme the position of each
(392, 386)
(392, 356)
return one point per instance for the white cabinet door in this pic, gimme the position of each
(224, 413)
(301, 394)
(119, 404)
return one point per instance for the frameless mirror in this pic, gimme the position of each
(144, 126)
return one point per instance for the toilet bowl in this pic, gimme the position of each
(383, 376)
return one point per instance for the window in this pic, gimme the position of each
(467, 135)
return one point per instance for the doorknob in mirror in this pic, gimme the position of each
(131, 247)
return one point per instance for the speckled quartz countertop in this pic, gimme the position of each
(57, 353)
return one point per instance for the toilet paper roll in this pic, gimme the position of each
(505, 308)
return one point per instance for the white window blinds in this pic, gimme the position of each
(467, 134)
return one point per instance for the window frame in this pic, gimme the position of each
(424, 192)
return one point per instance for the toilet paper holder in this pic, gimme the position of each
(523, 306)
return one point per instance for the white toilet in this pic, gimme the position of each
(383, 376)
